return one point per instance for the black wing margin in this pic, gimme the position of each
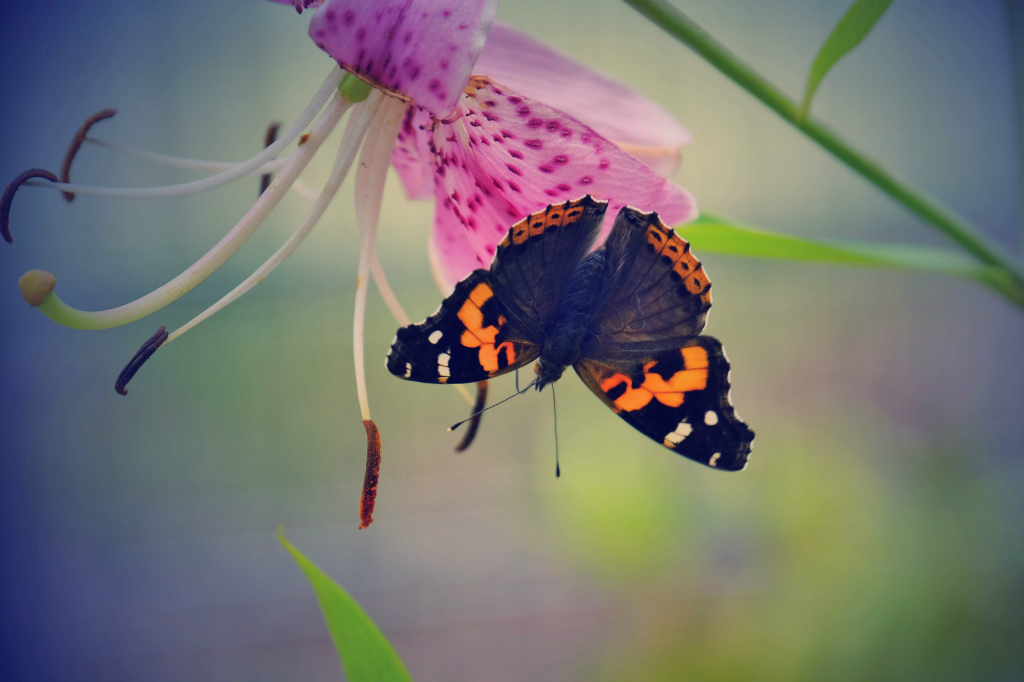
(678, 398)
(470, 338)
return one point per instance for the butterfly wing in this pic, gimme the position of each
(470, 338)
(659, 294)
(677, 397)
(534, 263)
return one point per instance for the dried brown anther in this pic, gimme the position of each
(143, 354)
(369, 497)
(477, 414)
(8, 198)
(76, 144)
(268, 139)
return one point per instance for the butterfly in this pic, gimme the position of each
(626, 316)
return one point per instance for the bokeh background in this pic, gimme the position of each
(877, 532)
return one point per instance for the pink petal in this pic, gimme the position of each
(412, 157)
(508, 155)
(627, 118)
(421, 50)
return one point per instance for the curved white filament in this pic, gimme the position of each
(369, 192)
(236, 171)
(358, 124)
(59, 312)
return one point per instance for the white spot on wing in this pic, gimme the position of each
(443, 371)
(714, 459)
(435, 336)
(710, 417)
(408, 370)
(442, 359)
(682, 431)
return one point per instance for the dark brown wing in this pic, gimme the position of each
(659, 294)
(678, 398)
(470, 338)
(537, 258)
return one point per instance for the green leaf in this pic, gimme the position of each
(716, 235)
(365, 653)
(851, 29)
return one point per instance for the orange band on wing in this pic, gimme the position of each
(670, 392)
(476, 335)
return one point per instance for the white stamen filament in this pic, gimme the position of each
(329, 86)
(179, 162)
(63, 314)
(369, 193)
(358, 123)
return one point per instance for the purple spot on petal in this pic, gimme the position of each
(361, 34)
(534, 143)
(507, 135)
(551, 192)
(347, 17)
(513, 186)
(586, 180)
(513, 169)
(535, 123)
(444, 63)
(515, 100)
(546, 169)
(564, 187)
(553, 126)
(523, 110)
(561, 158)
(604, 164)
(447, 13)
(515, 153)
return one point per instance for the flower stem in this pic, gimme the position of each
(680, 26)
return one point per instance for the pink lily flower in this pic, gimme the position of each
(533, 128)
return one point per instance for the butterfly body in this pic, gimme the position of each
(627, 317)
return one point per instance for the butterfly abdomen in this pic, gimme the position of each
(566, 331)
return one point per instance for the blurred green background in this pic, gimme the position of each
(877, 532)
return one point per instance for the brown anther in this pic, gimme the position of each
(76, 144)
(8, 198)
(268, 139)
(369, 497)
(476, 415)
(35, 286)
(143, 354)
(475, 83)
(304, 138)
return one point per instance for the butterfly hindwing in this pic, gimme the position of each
(536, 260)
(677, 397)
(470, 338)
(659, 293)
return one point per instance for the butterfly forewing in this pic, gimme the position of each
(470, 338)
(659, 291)
(678, 398)
(537, 258)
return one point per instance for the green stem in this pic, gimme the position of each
(677, 24)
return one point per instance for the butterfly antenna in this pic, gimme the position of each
(554, 409)
(458, 424)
